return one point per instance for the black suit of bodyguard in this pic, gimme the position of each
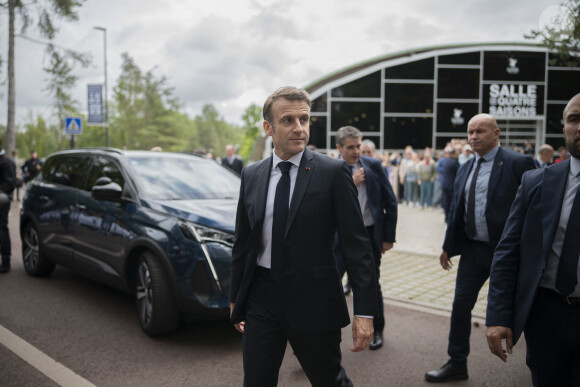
(301, 299)
(484, 187)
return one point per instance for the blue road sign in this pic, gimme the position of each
(73, 125)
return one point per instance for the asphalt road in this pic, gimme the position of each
(76, 331)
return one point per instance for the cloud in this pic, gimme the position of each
(232, 53)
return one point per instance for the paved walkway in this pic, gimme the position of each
(410, 272)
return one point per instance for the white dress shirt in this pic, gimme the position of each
(265, 256)
(481, 188)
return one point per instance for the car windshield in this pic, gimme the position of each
(177, 177)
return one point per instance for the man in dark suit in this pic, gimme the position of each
(232, 161)
(545, 155)
(379, 208)
(534, 277)
(7, 185)
(284, 284)
(484, 189)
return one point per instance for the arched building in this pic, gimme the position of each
(424, 97)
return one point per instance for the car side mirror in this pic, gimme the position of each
(106, 190)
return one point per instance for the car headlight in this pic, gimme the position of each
(200, 234)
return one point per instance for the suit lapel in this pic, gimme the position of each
(263, 172)
(463, 179)
(553, 187)
(305, 170)
(495, 174)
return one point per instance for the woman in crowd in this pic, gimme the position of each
(427, 176)
(409, 176)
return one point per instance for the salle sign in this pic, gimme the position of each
(513, 100)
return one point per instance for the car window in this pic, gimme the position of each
(104, 167)
(65, 170)
(175, 177)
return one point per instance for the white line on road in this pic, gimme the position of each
(50, 367)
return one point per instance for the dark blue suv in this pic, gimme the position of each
(159, 225)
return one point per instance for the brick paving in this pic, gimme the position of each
(410, 272)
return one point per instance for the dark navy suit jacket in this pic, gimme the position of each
(324, 202)
(522, 253)
(236, 165)
(506, 174)
(449, 172)
(381, 199)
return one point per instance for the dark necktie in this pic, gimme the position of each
(470, 225)
(568, 266)
(281, 204)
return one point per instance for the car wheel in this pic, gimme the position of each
(35, 263)
(156, 306)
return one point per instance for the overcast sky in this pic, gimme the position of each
(234, 52)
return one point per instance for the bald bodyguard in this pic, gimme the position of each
(484, 189)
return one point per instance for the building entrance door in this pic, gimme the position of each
(514, 133)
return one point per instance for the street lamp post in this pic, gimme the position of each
(106, 115)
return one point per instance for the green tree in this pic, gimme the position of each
(47, 12)
(214, 132)
(252, 118)
(38, 135)
(61, 81)
(562, 36)
(146, 112)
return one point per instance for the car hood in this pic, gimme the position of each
(215, 213)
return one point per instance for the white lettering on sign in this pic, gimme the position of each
(512, 100)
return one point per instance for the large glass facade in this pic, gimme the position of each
(426, 97)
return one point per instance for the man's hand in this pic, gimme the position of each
(239, 326)
(358, 176)
(495, 334)
(387, 246)
(445, 261)
(362, 333)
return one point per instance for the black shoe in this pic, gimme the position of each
(5, 268)
(346, 288)
(447, 373)
(377, 341)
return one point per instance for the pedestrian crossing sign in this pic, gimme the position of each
(73, 125)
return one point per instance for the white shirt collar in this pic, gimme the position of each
(294, 159)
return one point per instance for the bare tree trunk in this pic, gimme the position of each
(10, 126)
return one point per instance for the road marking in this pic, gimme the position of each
(50, 367)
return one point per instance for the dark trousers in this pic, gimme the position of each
(5, 246)
(379, 317)
(266, 334)
(473, 271)
(552, 335)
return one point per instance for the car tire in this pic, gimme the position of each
(35, 262)
(156, 307)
